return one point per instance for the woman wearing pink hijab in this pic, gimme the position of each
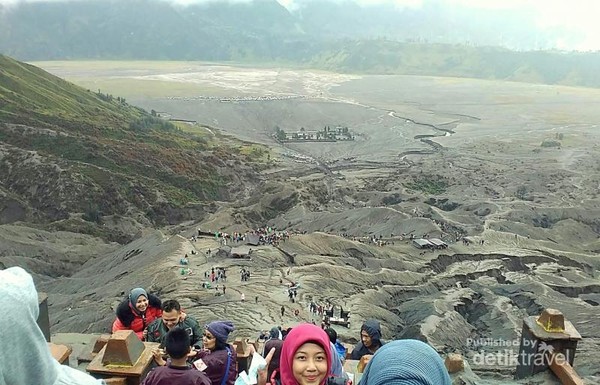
(305, 358)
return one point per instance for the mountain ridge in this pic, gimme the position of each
(437, 41)
(71, 157)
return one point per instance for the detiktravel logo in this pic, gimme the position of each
(499, 352)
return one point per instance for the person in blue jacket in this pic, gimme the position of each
(337, 359)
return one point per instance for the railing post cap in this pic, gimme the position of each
(552, 321)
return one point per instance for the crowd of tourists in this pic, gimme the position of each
(305, 354)
(261, 236)
(189, 354)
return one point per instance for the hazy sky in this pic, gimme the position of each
(574, 15)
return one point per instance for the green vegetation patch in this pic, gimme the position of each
(83, 226)
(431, 184)
(29, 95)
(120, 159)
(255, 152)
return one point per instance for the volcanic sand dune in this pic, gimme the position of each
(435, 156)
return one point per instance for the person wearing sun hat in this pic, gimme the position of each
(405, 362)
(218, 358)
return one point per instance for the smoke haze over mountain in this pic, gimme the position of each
(521, 25)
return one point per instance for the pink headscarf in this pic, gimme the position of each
(297, 337)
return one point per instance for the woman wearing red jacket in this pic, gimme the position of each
(137, 312)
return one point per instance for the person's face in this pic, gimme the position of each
(171, 318)
(142, 303)
(310, 364)
(209, 341)
(366, 339)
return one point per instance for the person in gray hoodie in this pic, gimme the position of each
(370, 339)
(25, 357)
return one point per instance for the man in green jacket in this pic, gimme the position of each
(172, 317)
